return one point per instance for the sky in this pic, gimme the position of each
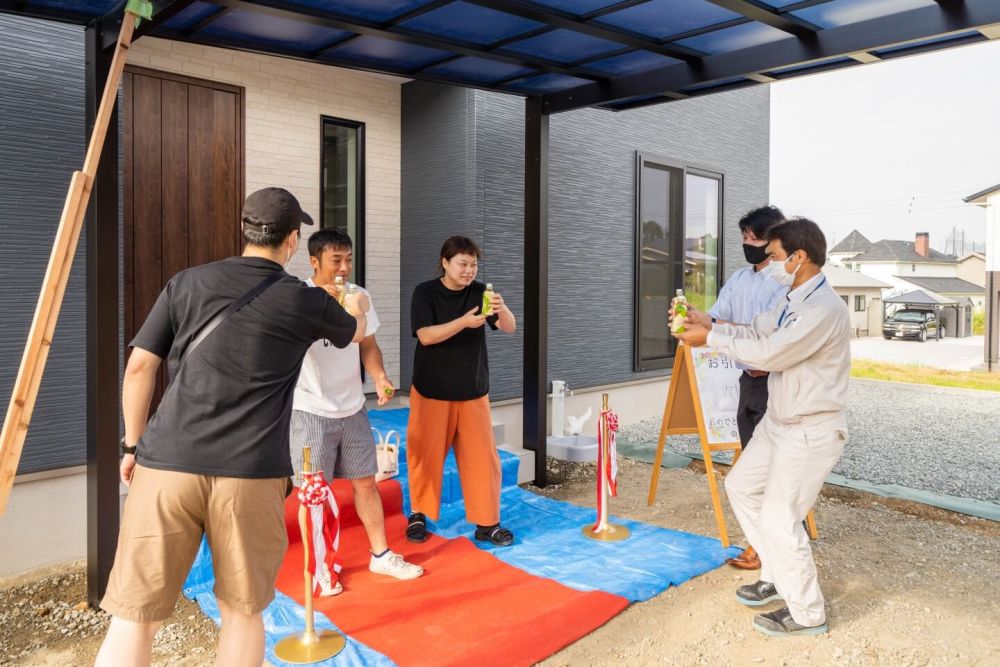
(890, 149)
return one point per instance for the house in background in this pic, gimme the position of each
(863, 296)
(908, 267)
(893, 261)
(850, 246)
(989, 199)
(972, 268)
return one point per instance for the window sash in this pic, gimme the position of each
(661, 263)
(342, 184)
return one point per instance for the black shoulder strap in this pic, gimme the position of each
(230, 310)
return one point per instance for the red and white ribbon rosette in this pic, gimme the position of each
(322, 524)
(607, 465)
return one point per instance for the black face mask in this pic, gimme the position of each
(754, 254)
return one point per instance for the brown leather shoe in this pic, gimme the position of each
(748, 560)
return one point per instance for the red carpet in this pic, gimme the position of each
(468, 609)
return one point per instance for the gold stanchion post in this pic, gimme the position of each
(604, 531)
(309, 646)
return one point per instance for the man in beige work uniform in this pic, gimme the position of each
(804, 341)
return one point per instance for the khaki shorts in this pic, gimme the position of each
(167, 513)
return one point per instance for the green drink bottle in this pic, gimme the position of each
(679, 304)
(488, 300)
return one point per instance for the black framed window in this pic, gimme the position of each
(342, 184)
(678, 224)
(859, 303)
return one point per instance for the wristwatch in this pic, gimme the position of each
(715, 321)
(125, 449)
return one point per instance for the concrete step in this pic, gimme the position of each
(526, 462)
(499, 432)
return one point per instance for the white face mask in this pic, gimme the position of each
(291, 251)
(779, 274)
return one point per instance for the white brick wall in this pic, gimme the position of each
(284, 101)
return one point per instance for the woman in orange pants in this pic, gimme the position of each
(449, 402)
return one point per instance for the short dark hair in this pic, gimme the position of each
(760, 220)
(459, 245)
(266, 239)
(801, 234)
(327, 238)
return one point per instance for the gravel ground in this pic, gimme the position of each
(44, 620)
(913, 588)
(918, 436)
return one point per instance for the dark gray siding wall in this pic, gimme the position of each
(592, 209)
(462, 173)
(476, 138)
(41, 144)
(439, 190)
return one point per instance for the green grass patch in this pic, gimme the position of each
(916, 374)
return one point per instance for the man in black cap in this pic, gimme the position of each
(214, 458)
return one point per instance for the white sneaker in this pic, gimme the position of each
(323, 581)
(392, 563)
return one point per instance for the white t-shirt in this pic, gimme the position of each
(330, 381)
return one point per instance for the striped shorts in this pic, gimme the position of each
(341, 448)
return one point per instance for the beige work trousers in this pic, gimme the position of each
(771, 489)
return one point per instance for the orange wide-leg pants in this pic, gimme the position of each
(435, 426)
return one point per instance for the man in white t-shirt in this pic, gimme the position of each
(329, 411)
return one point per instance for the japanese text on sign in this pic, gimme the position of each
(719, 391)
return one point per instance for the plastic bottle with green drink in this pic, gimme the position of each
(488, 300)
(680, 308)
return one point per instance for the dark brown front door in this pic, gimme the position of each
(183, 173)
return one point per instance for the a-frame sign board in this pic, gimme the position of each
(684, 414)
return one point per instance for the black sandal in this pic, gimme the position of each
(416, 529)
(496, 535)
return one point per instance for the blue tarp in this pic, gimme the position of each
(548, 543)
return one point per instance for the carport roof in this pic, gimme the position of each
(944, 285)
(921, 298)
(615, 54)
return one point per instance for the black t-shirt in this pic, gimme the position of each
(227, 412)
(457, 369)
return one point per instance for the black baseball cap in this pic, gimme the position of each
(274, 210)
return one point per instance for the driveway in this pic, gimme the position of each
(954, 354)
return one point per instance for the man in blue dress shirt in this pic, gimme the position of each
(748, 293)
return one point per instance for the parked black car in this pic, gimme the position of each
(907, 323)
